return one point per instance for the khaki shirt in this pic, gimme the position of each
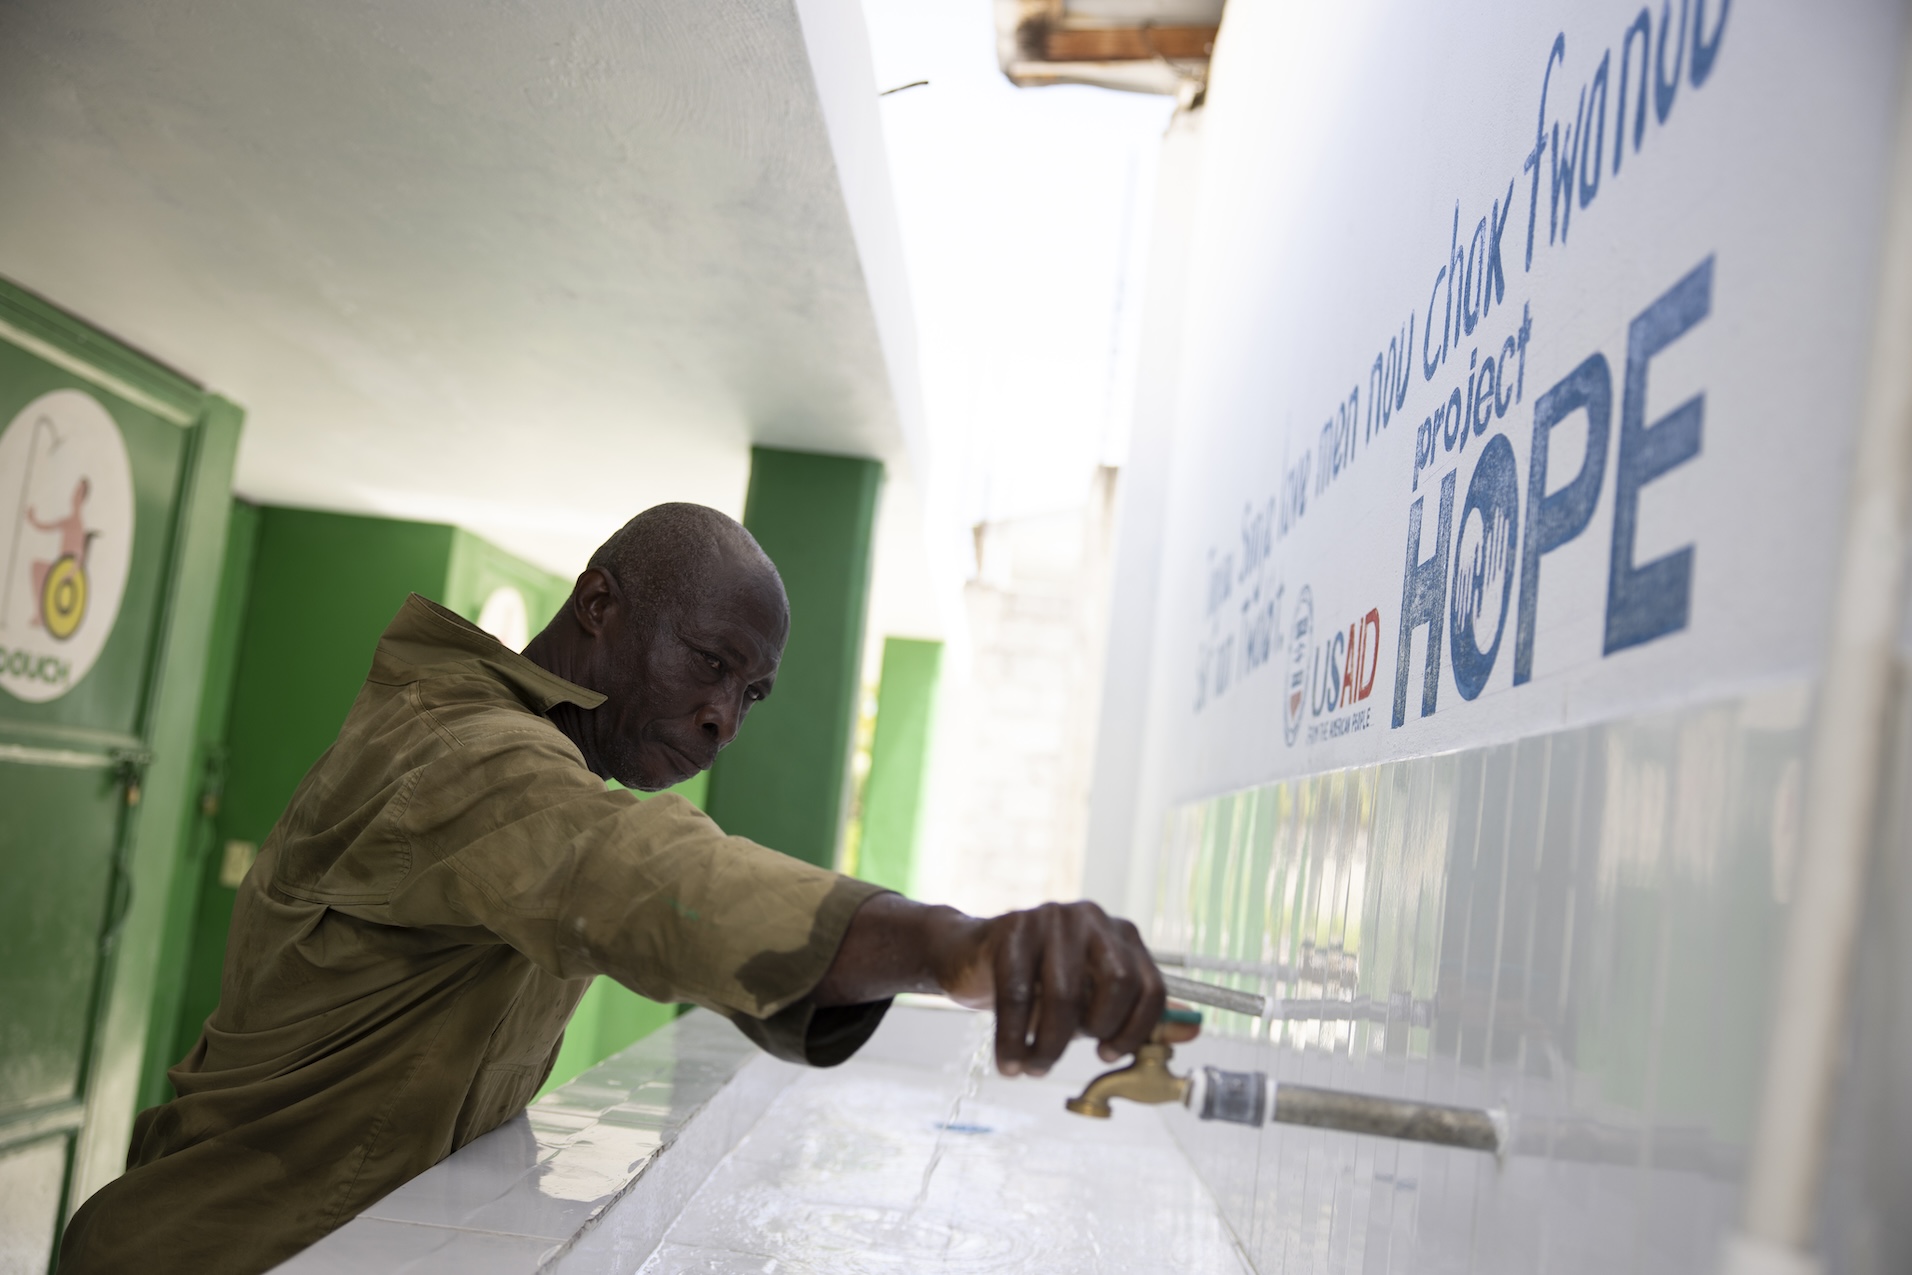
(411, 941)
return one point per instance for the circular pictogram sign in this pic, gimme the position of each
(506, 617)
(66, 541)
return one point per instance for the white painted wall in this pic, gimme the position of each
(1562, 894)
(1141, 508)
(1340, 161)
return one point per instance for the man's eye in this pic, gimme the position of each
(716, 665)
(756, 696)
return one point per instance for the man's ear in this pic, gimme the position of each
(592, 600)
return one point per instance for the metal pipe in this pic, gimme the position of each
(1252, 1098)
(1189, 989)
(1469, 1127)
(1305, 1009)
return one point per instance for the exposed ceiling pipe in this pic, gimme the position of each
(1042, 42)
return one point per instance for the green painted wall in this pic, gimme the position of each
(899, 761)
(150, 937)
(477, 567)
(185, 987)
(781, 782)
(324, 586)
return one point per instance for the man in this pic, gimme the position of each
(453, 871)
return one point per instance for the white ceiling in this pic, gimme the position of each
(526, 266)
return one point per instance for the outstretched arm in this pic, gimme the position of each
(1050, 973)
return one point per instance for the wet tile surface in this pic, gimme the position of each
(830, 1179)
(520, 1197)
(374, 1244)
(692, 1152)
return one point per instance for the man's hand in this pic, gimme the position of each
(1049, 973)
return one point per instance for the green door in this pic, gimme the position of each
(95, 456)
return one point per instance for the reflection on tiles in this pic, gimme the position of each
(375, 1244)
(1577, 928)
(520, 1197)
(832, 1180)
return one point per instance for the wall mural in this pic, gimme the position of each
(1495, 416)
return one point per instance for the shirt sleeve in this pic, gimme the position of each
(517, 839)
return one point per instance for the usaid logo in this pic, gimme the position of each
(1342, 671)
(1300, 645)
(1329, 677)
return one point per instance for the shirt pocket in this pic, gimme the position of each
(349, 850)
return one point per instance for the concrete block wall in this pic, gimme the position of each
(1019, 733)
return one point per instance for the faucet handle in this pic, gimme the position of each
(1174, 1017)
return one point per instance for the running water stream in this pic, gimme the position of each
(951, 1123)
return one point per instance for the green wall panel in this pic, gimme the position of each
(51, 913)
(781, 782)
(324, 586)
(899, 761)
(477, 567)
(163, 821)
(188, 984)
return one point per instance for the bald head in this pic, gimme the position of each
(679, 622)
(671, 554)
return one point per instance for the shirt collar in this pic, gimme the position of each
(424, 635)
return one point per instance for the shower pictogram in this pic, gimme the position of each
(66, 539)
(59, 583)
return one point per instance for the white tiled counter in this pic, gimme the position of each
(691, 1151)
(643, 1128)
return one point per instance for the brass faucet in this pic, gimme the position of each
(1251, 1098)
(1147, 1079)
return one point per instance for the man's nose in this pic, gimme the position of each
(720, 718)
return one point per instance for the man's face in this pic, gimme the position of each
(678, 688)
